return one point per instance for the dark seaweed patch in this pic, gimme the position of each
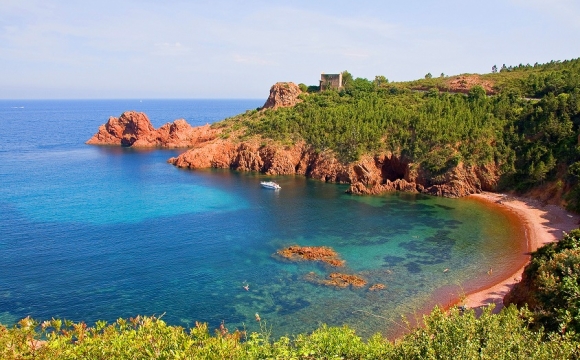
(413, 267)
(444, 207)
(432, 250)
(287, 306)
(391, 260)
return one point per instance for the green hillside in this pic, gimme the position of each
(527, 128)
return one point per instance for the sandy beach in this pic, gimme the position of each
(543, 224)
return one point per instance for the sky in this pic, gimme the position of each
(131, 49)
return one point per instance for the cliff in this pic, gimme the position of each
(282, 94)
(370, 175)
(134, 129)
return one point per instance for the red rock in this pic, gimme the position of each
(312, 253)
(283, 94)
(464, 83)
(368, 176)
(339, 280)
(134, 129)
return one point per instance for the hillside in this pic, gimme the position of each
(513, 130)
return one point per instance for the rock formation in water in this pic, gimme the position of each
(335, 279)
(312, 253)
(134, 129)
(344, 280)
(377, 287)
(282, 94)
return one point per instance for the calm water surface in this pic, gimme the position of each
(89, 233)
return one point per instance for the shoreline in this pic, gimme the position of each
(543, 224)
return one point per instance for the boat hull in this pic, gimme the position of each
(270, 185)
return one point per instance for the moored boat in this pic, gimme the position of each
(270, 185)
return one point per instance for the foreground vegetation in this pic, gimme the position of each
(551, 286)
(443, 336)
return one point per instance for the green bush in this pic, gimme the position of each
(444, 335)
(551, 286)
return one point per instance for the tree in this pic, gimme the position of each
(380, 80)
(476, 93)
(494, 69)
(428, 76)
(346, 79)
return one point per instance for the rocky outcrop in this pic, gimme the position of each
(312, 253)
(460, 84)
(464, 83)
(377, 287)
(391, 173)
(282, 94)
(134, 129)
(370, 175)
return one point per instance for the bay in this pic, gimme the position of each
(96, 233)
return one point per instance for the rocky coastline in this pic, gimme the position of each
(134, 129)
(370, 175)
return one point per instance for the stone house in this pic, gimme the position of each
(330, 81)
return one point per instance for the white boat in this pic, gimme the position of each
(270, 185)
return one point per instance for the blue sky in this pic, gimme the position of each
(237, 49)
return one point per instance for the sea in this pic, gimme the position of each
(92, 233)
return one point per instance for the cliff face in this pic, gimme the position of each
(134, 129)
(370, 175)
(282, 94)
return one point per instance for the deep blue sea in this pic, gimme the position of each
(97, 233)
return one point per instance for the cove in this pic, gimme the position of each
(90, 233)
(192, 264)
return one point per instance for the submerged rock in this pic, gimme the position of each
(312, 253)
(377, 287)
(336, 279)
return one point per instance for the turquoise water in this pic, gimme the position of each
(90, 233)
